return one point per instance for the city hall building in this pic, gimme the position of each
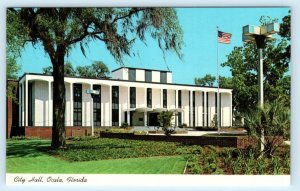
(131, 95)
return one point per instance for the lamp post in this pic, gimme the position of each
(93, 93)
(259, 34)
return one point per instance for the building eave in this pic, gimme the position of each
(105, 79)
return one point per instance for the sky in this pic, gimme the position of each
(200, 49)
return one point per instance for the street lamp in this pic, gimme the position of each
(259, 35)
(93, 93)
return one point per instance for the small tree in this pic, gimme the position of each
(165, 118)
(214, 122)
(273, 119)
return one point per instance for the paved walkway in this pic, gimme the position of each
(190, 132)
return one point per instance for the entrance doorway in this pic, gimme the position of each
(153, 120)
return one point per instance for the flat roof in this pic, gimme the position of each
(141, 69)
(190, 85)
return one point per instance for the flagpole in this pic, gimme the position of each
(218, 81)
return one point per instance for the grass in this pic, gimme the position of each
(27, 156)
(88, 149)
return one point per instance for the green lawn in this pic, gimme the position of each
(26, 156)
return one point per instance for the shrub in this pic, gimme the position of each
(214, 122)
(18, 138)
(124, 125)
(272, 120)
(164, 118)
(25, 138)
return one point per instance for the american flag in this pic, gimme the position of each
(224, 37)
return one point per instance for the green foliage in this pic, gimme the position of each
(30, 156)
(242, 62)
(214, 122)
(103, 148)
(214, 160)
(165, 118)
(61, 29)
(273, 119)
(124, 125)
(24, 138)
(97, 70)
(15, 37)
(207, 80)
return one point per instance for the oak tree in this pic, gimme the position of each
(59, 30)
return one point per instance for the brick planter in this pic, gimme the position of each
(46, 132)
(237, 142)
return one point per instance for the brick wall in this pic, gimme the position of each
(9, 117)
(12, 111)
(237, 142)
(46, 132)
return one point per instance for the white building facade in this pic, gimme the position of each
(132, 95)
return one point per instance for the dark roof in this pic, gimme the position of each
(190, 85)
(141, 69)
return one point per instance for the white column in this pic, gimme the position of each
(92, 111)
(145, 92)
(230, 109)
(49, 105)
(26, 102)
(205, 110)
(145, 118)
(161, 98)
(196, 111)
(110, 105)
(191, 109)
(176, 106)
(145, 113)
(71, 104)
(23, 104)
(128, 105)
(120, 110)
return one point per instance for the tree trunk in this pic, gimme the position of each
(58, 129)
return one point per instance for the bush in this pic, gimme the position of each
(272, 120)
(124, 125)
(24, 138)
(184, 125)
(18, 138)
(164, 118)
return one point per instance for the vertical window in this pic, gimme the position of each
(220, 110)
(179, 118)
(165, 98)
(179, 106)
(149, 97)
(179, 99)
(77, 105)
(97, 106)
(30, 108)
(131, 74)
(148, 75)
(115, 105)
(194, 106)
(163, 77)
(21, 104)
(132, 97)
(216, 102)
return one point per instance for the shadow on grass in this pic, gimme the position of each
(26, 148)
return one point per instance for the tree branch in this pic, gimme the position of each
(131, 12)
